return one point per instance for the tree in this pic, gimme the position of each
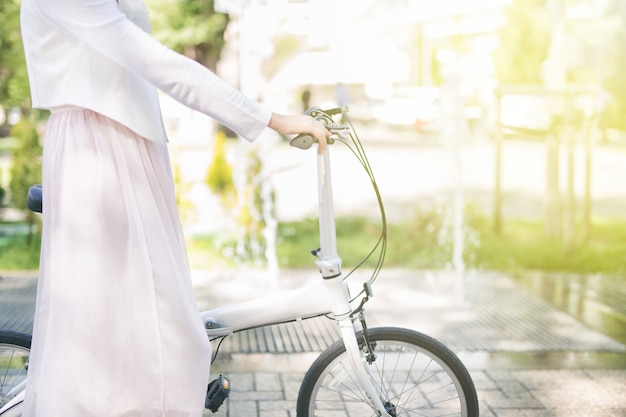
(219, 176)
(285, 47)
(523, 48)
(26, 167)
(524, 43)
(615, 82)
(191, 27)
(13, 77)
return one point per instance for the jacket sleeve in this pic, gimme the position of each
(105, 28)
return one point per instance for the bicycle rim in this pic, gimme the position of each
(14, 353)
(414, 374)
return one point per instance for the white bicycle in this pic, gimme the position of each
(384, 371)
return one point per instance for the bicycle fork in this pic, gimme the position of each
(360, 359)
(343, 314)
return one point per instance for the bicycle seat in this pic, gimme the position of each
(34, 199)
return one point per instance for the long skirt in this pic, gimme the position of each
(117, 330)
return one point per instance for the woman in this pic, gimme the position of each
(117, 332)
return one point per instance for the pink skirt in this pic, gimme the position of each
(117, 330)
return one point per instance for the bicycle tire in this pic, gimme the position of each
(415, 374)
(14, 354)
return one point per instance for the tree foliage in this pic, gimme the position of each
(285, 47)
(595, 49)
(219, 176)
(26, 167)
(615, 82)
(191, 27)
(524, 42)
(13, 77)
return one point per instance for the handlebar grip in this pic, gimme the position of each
(302, 141)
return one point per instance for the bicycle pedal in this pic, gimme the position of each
(217, 392)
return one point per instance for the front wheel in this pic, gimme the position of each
(414, 374)
(14, 353)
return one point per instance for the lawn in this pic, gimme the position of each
(421, 242)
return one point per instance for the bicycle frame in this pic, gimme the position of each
(330, 296)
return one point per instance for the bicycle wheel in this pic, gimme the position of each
(415, 375)
(14, 352)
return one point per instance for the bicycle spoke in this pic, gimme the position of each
(412, 377)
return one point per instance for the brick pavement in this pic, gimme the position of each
(526, 357)
(502, 392)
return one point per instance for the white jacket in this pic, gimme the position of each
(88, 53)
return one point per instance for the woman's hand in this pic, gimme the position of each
(296, 124)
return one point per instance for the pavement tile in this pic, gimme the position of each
(482, 381)
(266, 381)
(501, 375)
(255, 395)
(274, 413)
(238, 408)
(537, 413)
(484, 410)
(500, 399)
(241, 381)
(276, 406)
(508, 412)
(291, 384)
(516, 390)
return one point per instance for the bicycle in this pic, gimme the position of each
(385, 371)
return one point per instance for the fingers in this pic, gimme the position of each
(321, 146)
(321, 135)
(296, 124)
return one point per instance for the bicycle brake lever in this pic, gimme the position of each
(343, 132)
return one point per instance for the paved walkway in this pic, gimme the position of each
(527, 358)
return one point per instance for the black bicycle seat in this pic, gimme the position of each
(34, 199)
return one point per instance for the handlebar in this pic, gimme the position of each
(305, 141)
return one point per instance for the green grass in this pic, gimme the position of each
(422, 242)
(523, 246)
(18, 253)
